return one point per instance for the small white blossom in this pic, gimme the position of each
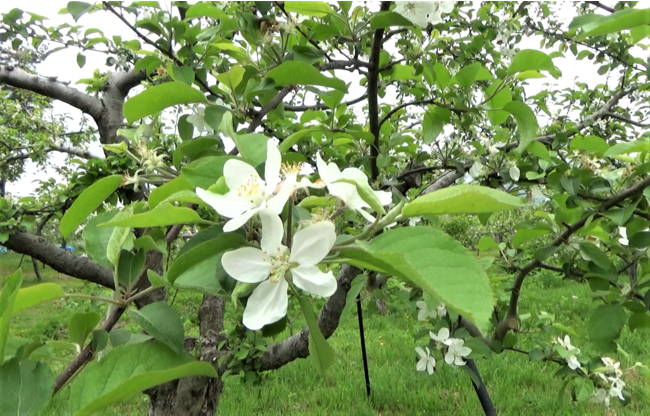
(514, 173)
(612, 366)
(571, 359)
(413, 221)
(602, 124)
(426, 362)
(442, 337)
(456, 352)
(421, 13)
(198, 120)
(441, 310)
(423, 311)
(622, 231)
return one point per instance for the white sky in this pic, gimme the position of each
(63, 65)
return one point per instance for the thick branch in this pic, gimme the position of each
(373, 99)
(442, 182)
(59, 259)
(297, 346)
(52, 88)
(510, 321)
(270, 106)
(75, 151)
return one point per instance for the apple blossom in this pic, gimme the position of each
(456, 352)
(248, 193)
(198, 120)
(423, 311)
(427, 362)
(442, 337)
(270, 265)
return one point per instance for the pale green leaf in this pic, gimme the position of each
(233, 77)
(530, 60)
(155, 99)
(590, 143)
(309, 8)
(526, 122)
(81, 325)
(162, 322)
(300, 73)
(96, 238)
(163, 192)
(252, 147)
(37, 294)
(624, 148)
(7, 300)
(320, 351)
(619, 21)
(161, 216)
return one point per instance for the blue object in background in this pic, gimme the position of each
(68, 248)
(3, 249)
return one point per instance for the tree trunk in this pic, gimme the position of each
(195, 395)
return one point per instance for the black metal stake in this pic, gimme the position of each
(363, 345)
(481, 391)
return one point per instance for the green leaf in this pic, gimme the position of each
(435, 262)
(462, 199)
(146, 243)
(497, 101)
(320, 351)
(596, 255)
(529, 75)
(161, 216)
(308, 55)
(367, 194)
(584, 389)
(309, 8)
(205, 10)
(194, 149)
(35, 295)
(639, 320)
(640, 240)
(7, 300)
(96, 238)
(205, 172)
(530, 60)
(590, 143)
(163, 192)
(128, 370)
(129, 267)
(185, 128)
(636, 146)
(183, 74)
(526, 122)
(81, 60)
(620, 215)
(87, 202)
(471, 73)
(119, 337)
(605, 325)
(442, 75)
(252, 147)
(155, 279)
(78, 8)
(99, 340)
(356, 286)
(118, 238)
(525, 234)
(388, 19)
(479, 348)
(25, 387)
(621, 20)
(162, 322)
(300, 73)
(81, 325)
(486, 243)
(233, 77)
(155, 99)
(432, 126)
(293, 139)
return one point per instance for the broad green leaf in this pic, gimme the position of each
(81, 325)
(320, 351)
(119, 337)
(309, 8)
(87, 202)
(442, 75)
(7, 300)
(622, 20)
(203, 236)
(308, 55)
(404, 72)
(129, 267)
(161, 216)
(81, 60)
(146, 243)
(25, 387)
(233, 77)
(432, 126)
(163, 192)
(529, 75)
(639, 33)
(205, 10)
(590, 143)
(119, 236)
(293, 139)
(388, 19)
(462, 199)
(162, 322)
(471, 73)
(596, 255)
(640, 240)
(530, 60)
(155, 99)
(623, 148)
(188, 197)
(155, 279)
(99, 340)
(367, 194)
(252, 147)
(356, 286)
(128, 370)
(435, 262)
(487, 243)
(317, 201)
(205, 172)
(185, 129)
(525, 234)
(621, 215)
(96, 238)
(35, 295)
(539, 150)
(639, 320)
(497, 101)
(300, 73)
(183, 74)
(584, 389)
(605, 325)
(193, 149)
(214, 115)
(526, 122)
(78, 8)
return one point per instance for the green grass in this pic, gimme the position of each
(516, 385)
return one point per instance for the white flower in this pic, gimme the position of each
(572, 360)
(626, 289)
(441, 310)
(423, 311)
(423, 12)
(514, 173)
(602, 124)
(600, 396)
(476, 169)
(413, 221)
(623, 233)
(616, 389)
(248, 193)
(198, 120)
(347, 192)
(268, 266)
(442, 337)
(427, 362)
(508, 52)
(612, 366)
(456, 352)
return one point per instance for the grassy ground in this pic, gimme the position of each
(516, 385)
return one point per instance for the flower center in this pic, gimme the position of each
(280, 265)
(251, 189)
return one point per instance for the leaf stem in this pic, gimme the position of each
(98, 298)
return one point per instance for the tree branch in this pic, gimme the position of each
(626, 120)
(53, 148)
(323, 106)
(52, 88)
(373, 99)
(270, 106)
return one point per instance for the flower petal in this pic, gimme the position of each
(267, 304)
(237, 173)
(276, 204)
(421, 352)
(447, 6)
(421, 365)
(272, 166)
(431, 364)
(312, 280)
(272, 233)
(237, 222)
(328, 172)
(229, 205)
(313, 243)
(449, 358)
(464, 351)
(384, 197)
(443, 334)
(459, 361)
(247, 264)
(354, 174)
(369, 217)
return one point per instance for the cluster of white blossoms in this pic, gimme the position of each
(572, 352)
(274, 266)
(425, 313)
(455, 354)
(421, 13)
